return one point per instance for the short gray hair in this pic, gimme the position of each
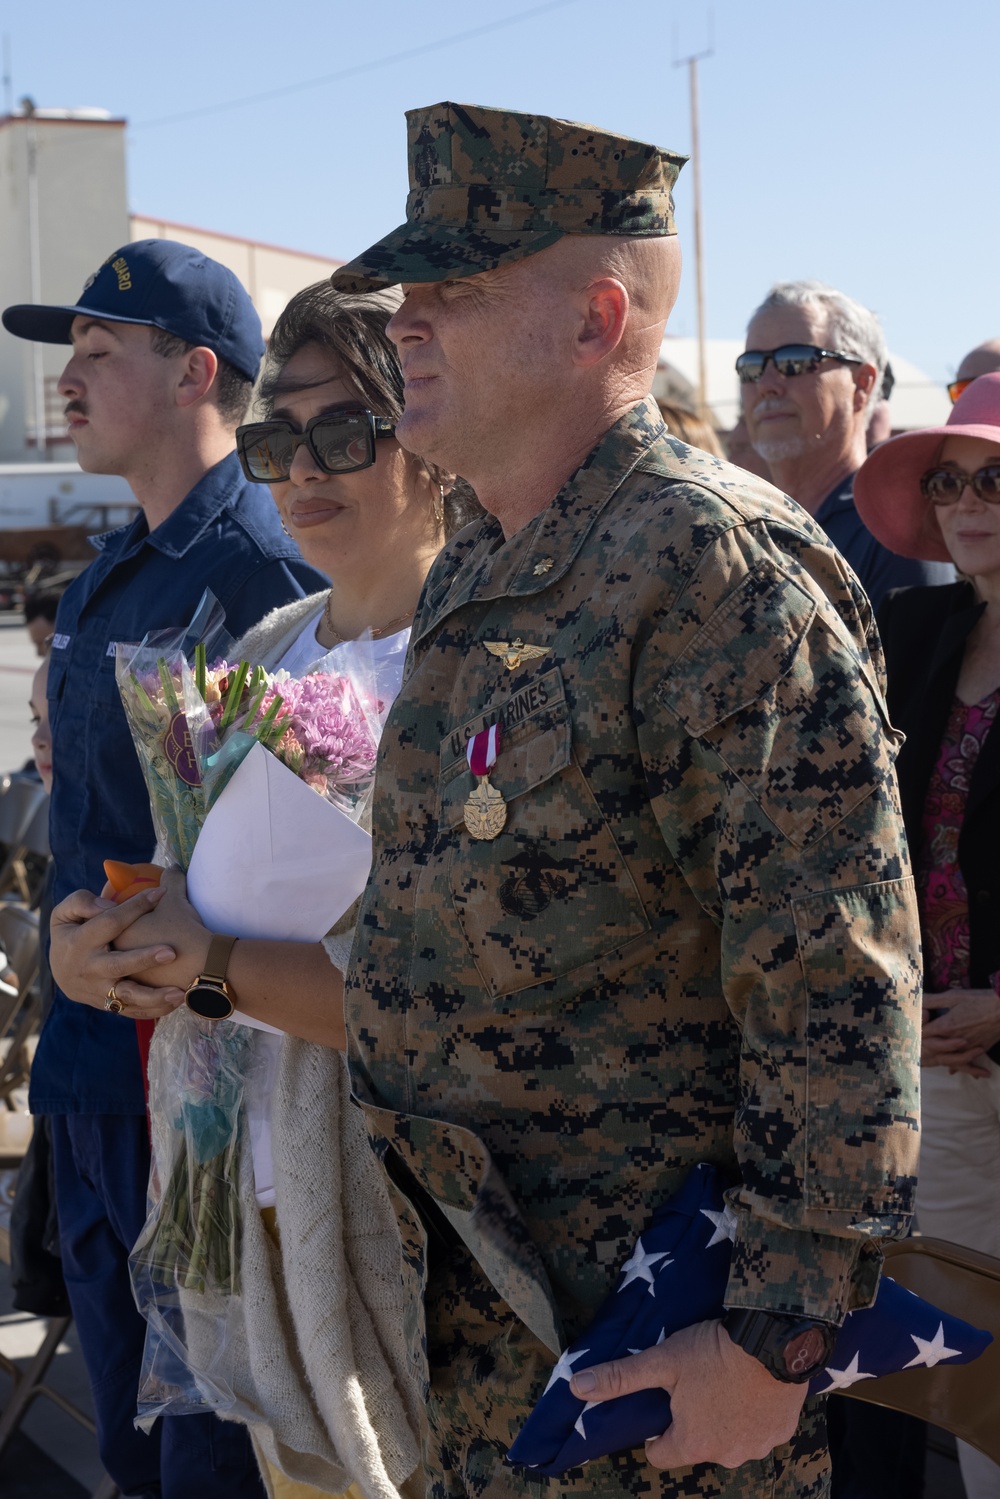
(851, 328)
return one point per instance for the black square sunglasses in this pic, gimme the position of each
(789, 360)
(341, 442)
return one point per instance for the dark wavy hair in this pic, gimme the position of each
(350, 327)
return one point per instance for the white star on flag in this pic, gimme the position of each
(931, 1350)
(725, 1225)
(842, 1379)
(564, 1368)
(640, 1266)
(578, 1424)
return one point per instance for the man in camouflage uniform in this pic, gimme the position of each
(688, 932)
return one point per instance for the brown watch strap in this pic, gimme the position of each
(217, 961)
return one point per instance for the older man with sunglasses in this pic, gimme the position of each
(810, 376)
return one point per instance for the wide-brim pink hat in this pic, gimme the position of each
(887, 485)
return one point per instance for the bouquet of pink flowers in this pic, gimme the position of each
(203, 729)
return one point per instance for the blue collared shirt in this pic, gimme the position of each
(877, 567)
(224, 536)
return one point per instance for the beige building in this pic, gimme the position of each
(63, 210)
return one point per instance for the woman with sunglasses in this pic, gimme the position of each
(320, 1357)
(936, 495)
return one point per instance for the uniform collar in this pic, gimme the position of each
(185, 526)
(544, 550)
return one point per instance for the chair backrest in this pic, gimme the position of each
(36, 835)
(19, 940)
(962, 1399)
(18, 805)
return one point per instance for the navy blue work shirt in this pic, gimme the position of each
(877, 567)
(225, 536)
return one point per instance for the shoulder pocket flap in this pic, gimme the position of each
(738, 655)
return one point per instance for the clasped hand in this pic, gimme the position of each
(97, 945)
(959, 1038)
(725, 1407)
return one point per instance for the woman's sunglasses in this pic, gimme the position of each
(790, 360)
(944, 486)
(956, 388)
(341, 442)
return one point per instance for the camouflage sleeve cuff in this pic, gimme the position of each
(799, 1272)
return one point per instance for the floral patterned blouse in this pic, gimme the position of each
(941, 892)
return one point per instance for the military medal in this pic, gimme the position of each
(485, 810)
(513, 652)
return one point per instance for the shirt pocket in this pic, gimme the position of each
(552, 891)
(789, 702)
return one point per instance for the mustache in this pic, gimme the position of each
(75, 408)
(767, 404)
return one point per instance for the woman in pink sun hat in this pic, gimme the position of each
(936, 495)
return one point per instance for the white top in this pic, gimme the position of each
(388, 656)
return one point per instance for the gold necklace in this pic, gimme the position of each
(376, 634)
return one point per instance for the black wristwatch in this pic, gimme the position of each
(210, 996)
(793, 1349)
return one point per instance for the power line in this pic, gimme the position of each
(363, 67)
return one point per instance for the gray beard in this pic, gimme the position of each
(780, 449)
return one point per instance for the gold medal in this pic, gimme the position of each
(485, 811)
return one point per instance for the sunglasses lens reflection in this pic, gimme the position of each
(795, 359)
(750, 366)
(269, 456)
(341, 443)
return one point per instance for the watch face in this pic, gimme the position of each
(804, 1352)
(209, 1001)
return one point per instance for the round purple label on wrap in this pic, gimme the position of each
(179, 751)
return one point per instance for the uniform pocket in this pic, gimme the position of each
(777, 687)
(551, 892)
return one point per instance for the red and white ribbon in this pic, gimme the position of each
(482, 750)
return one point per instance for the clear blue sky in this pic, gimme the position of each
(854, 141)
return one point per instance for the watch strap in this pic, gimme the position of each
(217, 961)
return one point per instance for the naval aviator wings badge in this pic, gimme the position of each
(485, 810)
(513, 652)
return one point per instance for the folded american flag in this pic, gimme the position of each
(676, 1276)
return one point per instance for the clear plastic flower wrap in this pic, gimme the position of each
(195, 715)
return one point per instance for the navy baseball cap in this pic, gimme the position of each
(161, 284)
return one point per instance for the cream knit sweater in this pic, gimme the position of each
(317, 1354)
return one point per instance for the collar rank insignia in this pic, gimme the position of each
(513, 652)
(543, 567)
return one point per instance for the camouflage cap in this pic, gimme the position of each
(489, 185)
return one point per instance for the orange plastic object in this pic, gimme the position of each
(129, 879)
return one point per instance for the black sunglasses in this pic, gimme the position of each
(341, 442)
(789, 360)
(944, 486)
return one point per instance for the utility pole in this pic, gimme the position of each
(8, 85)
(699, 271)
(35, 266)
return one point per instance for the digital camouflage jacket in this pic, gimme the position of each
(694, 939)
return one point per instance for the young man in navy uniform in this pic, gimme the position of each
(166, 345)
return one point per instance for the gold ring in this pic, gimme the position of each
(113, 1003)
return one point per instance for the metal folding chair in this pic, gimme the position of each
(20, 805)
(19, 1005)
(964, 1399)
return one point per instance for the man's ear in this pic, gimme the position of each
(198, 369)
(605, 311)
(865, 376)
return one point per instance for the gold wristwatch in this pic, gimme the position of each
(210, 996)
